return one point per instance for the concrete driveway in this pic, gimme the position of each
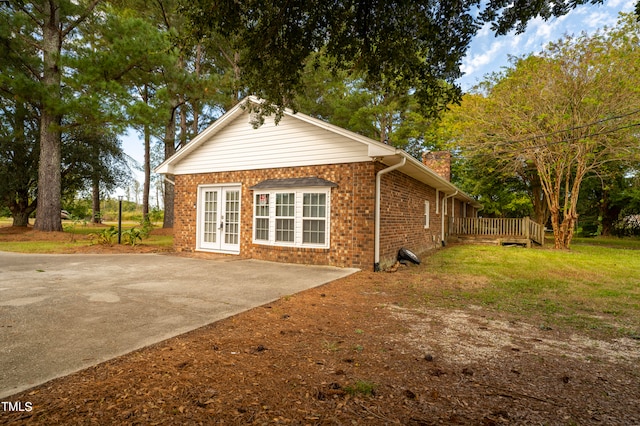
(63, 313)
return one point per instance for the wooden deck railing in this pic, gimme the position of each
(522, 228)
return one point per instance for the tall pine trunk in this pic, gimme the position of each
(147, 162)
(169, 150)
(95, 200)
(49, 174)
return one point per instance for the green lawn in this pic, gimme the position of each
(591, 287)
(78, 234)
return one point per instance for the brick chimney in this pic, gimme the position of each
(439, 162)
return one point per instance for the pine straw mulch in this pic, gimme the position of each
(366, 349)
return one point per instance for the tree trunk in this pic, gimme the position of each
(21, 209)
(169, 150)
(147, 162)
(609, 214)
(147, 173)
(183, 122)
(49, 175)
(20, 218)
(95, 201)
(195, 103)
(541, 213)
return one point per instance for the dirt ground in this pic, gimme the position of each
(364, 350)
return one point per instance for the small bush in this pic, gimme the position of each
(71, 227)
(147, 227)
(132, 236)
(104, 237)
(628, 226)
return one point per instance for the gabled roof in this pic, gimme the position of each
(377, 151)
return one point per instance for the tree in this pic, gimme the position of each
(18, 160)
(567, 113)
(398, 46)
(343, 98)
(57, 19)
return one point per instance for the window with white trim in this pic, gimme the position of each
(427, 214)
(285, 217)
(296, 217)
(314, 218)
(261, 214)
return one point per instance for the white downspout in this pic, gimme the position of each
(444, 204)
(376, 261)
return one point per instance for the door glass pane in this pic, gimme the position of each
(232, 217)
(210, 216)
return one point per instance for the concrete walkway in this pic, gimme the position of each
(63, 313)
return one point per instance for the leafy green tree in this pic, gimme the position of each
(569, 112)
(344, 99)
(76, 88)
(397, 46)
(178, 92)
(18, 159)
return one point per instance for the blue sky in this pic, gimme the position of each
(489, 53)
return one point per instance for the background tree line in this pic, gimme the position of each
(77, 74)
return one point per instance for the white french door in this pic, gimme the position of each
(219, 218)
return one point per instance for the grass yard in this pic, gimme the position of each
(591, 287)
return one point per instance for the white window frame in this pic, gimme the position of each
(437, 201)
(427, 214)
(256, 217)
(298, 217)
(284, 217)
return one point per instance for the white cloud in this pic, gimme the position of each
(625, 5)
(488, 54)
(477, 61)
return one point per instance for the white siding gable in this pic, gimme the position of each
(291, 143)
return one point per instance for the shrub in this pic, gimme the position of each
(104, 237)
(132, 236)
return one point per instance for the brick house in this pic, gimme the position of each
(305, 191)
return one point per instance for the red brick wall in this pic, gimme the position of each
(352, 214)
(402, 217)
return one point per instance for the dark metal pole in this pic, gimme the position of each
(119, 219)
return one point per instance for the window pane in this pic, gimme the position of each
(314, 205)
(285, 205)
(285, 230)
(262, 229)
(313, 231)
(262, 204)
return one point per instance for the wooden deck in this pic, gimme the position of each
(496, 230)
